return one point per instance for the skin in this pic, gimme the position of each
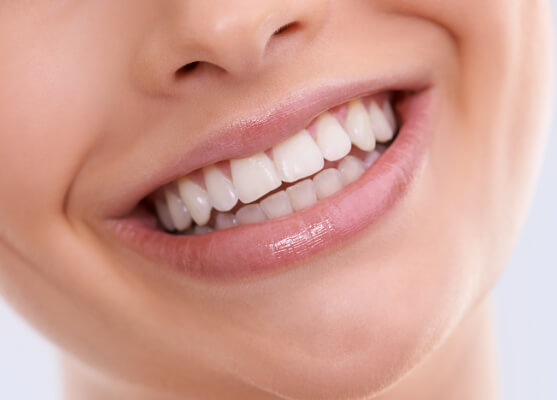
(89, 103)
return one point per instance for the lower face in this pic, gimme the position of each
(310, 225)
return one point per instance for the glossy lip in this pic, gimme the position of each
(253, 250)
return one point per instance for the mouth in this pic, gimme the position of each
(272, 208)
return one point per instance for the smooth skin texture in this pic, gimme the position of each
(90, 103)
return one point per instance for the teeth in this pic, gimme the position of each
(302, 195)
(351, 168)
(222, 194)
(276, 205)
(390, 115)
(327, 183)
(225, 221)
(332, 140)
(181, 217)
(202, 230)
(297, 157)
(379, 124)
(250, 214)
(358, 126)
(196, 200)
(253, 177)
(164, 215)
(370, 159)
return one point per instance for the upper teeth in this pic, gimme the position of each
(300, 156)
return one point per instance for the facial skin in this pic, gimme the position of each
(90, 105)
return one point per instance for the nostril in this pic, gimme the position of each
(288, 28)
(187, 68)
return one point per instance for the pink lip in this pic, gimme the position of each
(277, 244)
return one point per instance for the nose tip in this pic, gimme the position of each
(237, 37)
(237, 43)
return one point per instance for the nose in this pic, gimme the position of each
(238, 37)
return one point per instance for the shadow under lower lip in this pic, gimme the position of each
(251, 250)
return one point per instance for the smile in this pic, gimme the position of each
(309, 191)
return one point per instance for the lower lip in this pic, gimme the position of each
(271, 246)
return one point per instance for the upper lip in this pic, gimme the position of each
(261, 131)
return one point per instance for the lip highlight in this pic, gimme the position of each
(273, 245)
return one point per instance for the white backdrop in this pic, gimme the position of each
(525, 299)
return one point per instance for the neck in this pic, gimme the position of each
(462, 368)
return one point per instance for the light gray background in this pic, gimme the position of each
(525, 299)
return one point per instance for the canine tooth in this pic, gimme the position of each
(302, 195)
(358, 126)
(351, 168)
(390, 114)
(222, 194)
(178, 211)
(225, 221)
(297, 157)
(276, 205)
(196, 200)
(379, 123)
(164, 215)
(327, 183)
(253, 177)
(250, 214)
(202, 230)
(332, 139)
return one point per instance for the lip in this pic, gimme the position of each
(274, 245)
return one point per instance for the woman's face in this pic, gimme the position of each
(103, 103)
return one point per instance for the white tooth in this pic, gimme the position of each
(250, 214)
(327, 183)
(297, 157)
(276, 205)
(379, 124)
(164, 215)
(202, 230)
(222, 194)
(358, 126)
(196, 200)
(331, 138)
(302, 195)
(178, 211)
(390, 114)
(253, 177)
(351, 168)
(225, 221)
(374, 155)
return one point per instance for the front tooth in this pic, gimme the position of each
(225, 221)
(327, 183)
(276, 205)
(250, 214)
(253, 177)
(331, 138)
(178, 211)
(302, 194)
(196, 200)
(222, 194)
(358, 126)
(379, 123)
(297, 157)
(351, 168)
(164, 215)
